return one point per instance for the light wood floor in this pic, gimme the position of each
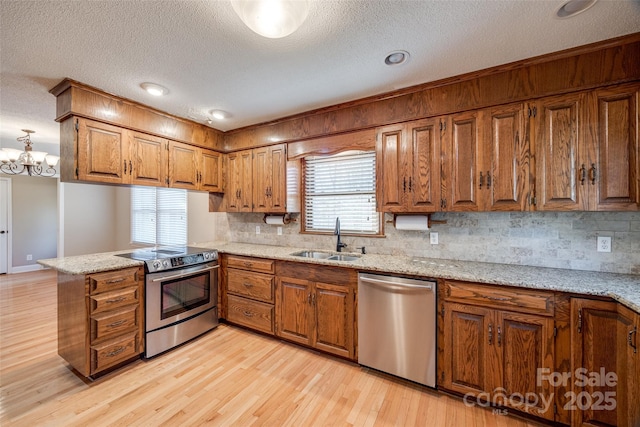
(229, 377)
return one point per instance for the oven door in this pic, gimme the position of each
(175, 295)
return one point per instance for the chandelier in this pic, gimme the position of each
(14, 162)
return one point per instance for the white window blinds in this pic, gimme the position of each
(342, 185)
(158, 216)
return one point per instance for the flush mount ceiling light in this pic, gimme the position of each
(219, 114)
(154, 89)
(397, 57)
(272, 18)
(574, 7)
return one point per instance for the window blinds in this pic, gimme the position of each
(344, 186)
(159, 216)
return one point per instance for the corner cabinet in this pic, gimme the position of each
(494, 343)
(318, 311)
(100, 319)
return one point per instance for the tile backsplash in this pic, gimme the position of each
(546, 239)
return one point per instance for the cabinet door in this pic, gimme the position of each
(614, 169)
(334, 307)
(102, 153)
(599, 349)
(463, 155)
(393, 155)
(232, 193)
(504, 182)
(246, 181)
(211, 171)
(148, 160)
(424, 178)
(278, 183)
(183, 166)
(561, 174)
(469, 349)
(628, 332)
(525, 350)
(261, 179)
(294, 311)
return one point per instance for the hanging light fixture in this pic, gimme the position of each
(272, 18)
(31, 161)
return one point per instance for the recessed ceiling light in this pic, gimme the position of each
(154, 89)
(219, 114)
(397, 57)
(574, 7)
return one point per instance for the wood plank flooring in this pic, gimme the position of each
(229, 377)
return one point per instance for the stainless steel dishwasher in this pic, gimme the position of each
(397, 326)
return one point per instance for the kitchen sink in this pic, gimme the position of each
(340, 257)
(312, 254)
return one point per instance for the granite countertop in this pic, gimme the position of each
(624, 288)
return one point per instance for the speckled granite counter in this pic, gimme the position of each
(621, 287)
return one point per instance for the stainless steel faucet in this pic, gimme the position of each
(339, 245)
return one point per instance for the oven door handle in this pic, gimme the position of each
(177, 276)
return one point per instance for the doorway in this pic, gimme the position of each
(5, 224)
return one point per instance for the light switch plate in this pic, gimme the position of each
(433, 238)
(604, 244)
(279, 231)
(257, 229)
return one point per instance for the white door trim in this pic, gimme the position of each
(9, 225)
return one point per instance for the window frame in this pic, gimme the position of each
(157, 214)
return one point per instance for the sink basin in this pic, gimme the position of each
(340, 257)
(312, 254)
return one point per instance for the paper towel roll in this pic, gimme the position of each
(412, 222)
(274, 219)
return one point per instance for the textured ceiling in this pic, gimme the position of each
(208, 59)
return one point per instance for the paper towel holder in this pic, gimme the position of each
(286, 218)
(429, 220)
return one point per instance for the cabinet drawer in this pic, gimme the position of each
(111, 280)
(111, 323)
(253, 285)
(252, 314)
(254, 264)
(114, 351)
(114, 299)
(501, 298)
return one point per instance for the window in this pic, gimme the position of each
(158, 216)
(344, 186)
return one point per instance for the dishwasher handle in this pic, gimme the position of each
(394, 286)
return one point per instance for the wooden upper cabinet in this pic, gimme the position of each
(211, 171)
(149, 160)
(614, 165)
(269, 178)
(238, 194)
(102, 152)
(409, 166)
(463, 156)
(504, 177)
(183, 166)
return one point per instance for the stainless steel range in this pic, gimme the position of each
(181, 295)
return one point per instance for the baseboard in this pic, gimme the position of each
(26, 268)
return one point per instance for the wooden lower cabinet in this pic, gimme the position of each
(606, 364)
(100, 319)
(495, 355)
(317, 310)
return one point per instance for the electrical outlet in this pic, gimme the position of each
(29, 257)
(604, 244)
(279, 231)
(257, 229)
(433, 238)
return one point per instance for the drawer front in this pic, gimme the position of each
(253, 264)
(113, 352)
(111, 280)
(501, 298)
(253, 285)
(252, 314)
(114, 299)
(111, 323)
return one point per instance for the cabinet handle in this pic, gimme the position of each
(248, 285)
(583, 174)
(490, 333)
(109, 282)
(313, 299)
(115, 352)
(631, 341)
(499, 336)
(130, 168)
(498, 298)
(410, 185)
(115, 300)
(481, 180)
(247, 313)
(248, 264)
(125, 167)
(404, 184)
(488, 179)
(118, 323)
(580, 321)
(309, 298)
(592, 174)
